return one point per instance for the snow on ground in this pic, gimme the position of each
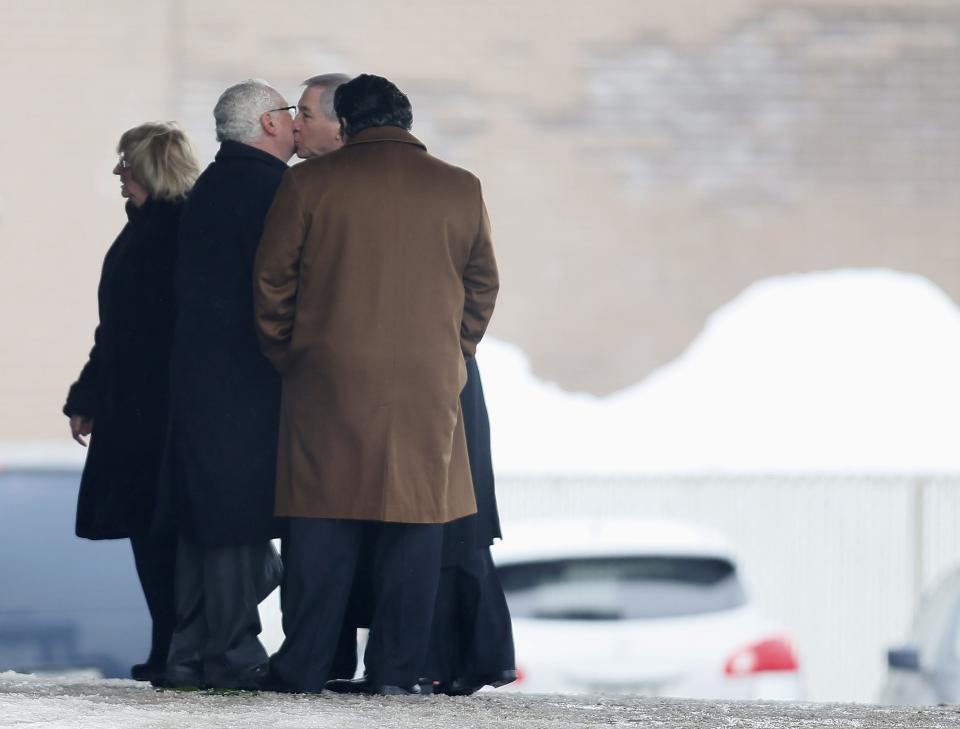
(847, 370)
(81, 703)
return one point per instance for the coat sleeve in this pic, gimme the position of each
(276, 272)
(481, 282)
(82, 396)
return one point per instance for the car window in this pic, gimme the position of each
(621, 588)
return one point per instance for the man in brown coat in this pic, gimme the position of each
(375, 278)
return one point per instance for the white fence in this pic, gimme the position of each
(841, 560)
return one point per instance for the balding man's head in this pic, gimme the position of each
(254, 113)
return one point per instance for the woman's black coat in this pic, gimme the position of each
(123, 386)
(218, 475)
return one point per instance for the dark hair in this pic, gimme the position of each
(371, 101)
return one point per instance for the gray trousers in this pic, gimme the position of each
(217, 590)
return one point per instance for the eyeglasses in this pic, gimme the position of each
(123, 163)
(291, 109)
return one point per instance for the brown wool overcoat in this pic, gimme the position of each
(374, 279)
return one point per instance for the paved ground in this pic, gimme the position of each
(79, 703)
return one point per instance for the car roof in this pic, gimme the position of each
(543, 539)
(41, 456)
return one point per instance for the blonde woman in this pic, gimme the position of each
(120, 398)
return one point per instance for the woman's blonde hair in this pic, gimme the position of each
(161, 158)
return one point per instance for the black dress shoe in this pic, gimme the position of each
(249, 680)
(365, 686)
(270, 681)
(179, 678)
(349, 686)
(467, 686)
(146, 671)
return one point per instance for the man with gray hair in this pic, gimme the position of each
(316, 129)
(217, 482)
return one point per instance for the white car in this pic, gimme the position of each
(927, 669)
(654, 607)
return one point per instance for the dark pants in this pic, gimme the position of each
(218, 589)
(155, 558)
(472, 639)
(322, 557)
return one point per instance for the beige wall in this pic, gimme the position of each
(643, 161)
(74, 75)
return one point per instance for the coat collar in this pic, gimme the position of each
(238, 150)
(385, 134)
(134, 212)
(151, 206)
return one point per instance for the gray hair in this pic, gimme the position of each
(329, 82)
(239, 108)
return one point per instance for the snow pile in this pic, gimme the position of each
(851, 370)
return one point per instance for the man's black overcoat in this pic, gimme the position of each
(463, 536)
(218, 475)
(123, 385)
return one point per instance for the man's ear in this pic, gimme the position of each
(267, 124)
